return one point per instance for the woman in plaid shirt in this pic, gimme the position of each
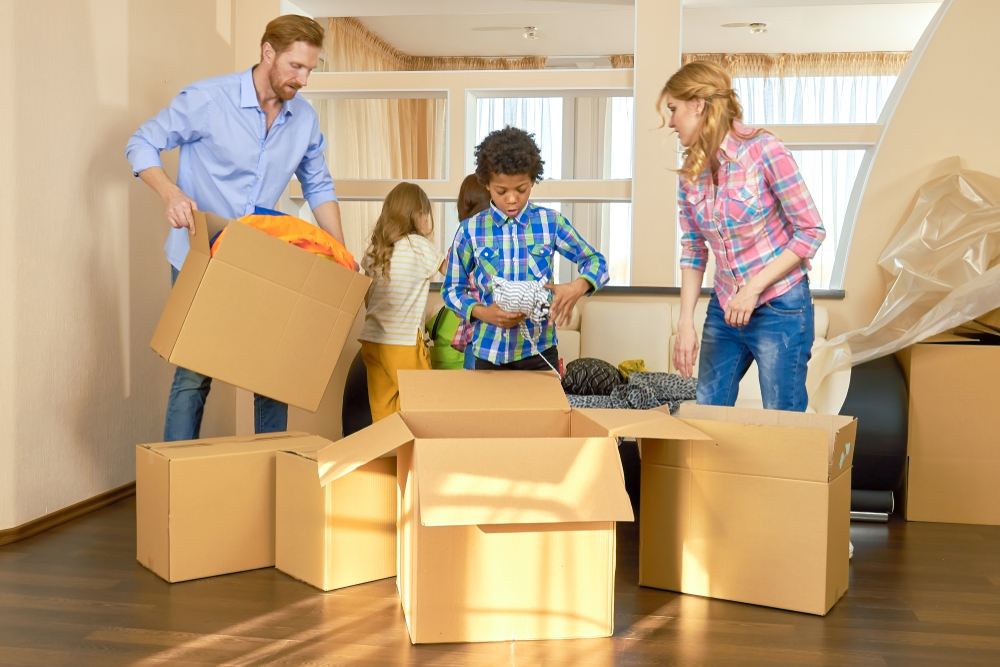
(742, 195)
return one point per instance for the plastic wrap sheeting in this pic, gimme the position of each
(944, 271)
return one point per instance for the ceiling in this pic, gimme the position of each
(584, 30)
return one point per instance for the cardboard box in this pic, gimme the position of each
(508, 503)
(760, 515)
(336, 535)
(953, 448)
(206, 507)
(262, 314)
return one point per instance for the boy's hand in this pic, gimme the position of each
(564, 297)
(492, 314)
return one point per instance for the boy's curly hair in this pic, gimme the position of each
(509, 151)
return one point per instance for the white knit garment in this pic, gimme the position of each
(525, 297)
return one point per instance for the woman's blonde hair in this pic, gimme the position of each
(706, 81)
(398, 219)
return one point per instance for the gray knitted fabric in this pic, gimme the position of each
(643, 391)
(526, 297)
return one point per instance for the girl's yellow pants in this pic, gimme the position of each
(383, 361)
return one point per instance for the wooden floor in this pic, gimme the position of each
(921, 594)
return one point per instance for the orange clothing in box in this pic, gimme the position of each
(298, 232)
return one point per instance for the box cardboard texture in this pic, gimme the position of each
(508, 503)
(953, 448)
(336, 535)
(760, 514)
(262, 314)
(206, 507)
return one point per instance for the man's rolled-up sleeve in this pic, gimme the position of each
(313, 173)
(185, 120)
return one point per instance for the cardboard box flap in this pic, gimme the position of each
(241, 444)
(479, 390)
(345, 456)
(829, 423)
(482, 481)
(642, 424)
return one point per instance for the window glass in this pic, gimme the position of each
(830, 176)
(620, 132)
(813, 100)
(541, 116)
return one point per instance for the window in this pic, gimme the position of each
(541, 116)
(606, 226)
(814, 100)
(830, 176)
(619, 137)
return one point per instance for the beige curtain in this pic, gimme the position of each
(387, 139)
(805, 64)
(794, 64)
(622, 62)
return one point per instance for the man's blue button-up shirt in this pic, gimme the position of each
(229, 162)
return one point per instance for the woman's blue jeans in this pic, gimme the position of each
(186, 404)
(779, 337)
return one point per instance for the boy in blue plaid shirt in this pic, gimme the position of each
(516, 240)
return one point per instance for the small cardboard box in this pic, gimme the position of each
(206, 507)
(336, 535)
(953, 448)
(262, 314)
(508, 503)
(761, 514)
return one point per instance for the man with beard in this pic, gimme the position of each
(241, 137)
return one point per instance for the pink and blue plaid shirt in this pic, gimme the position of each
(761, 207)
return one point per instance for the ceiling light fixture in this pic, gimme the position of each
(755, 28)
(530, 32)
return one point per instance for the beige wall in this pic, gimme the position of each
(83, 276)
(945, 111)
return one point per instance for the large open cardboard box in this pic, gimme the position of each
(337, 535)
(206, 507)
(508, 503)
(953, 448)
(262, 314)
(761, 514)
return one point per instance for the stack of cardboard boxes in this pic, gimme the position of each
(492, 501)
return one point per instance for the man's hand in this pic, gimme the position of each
(492, 314)
(741, 306)
(180, 210)
(179, 205)
(564, 297)
(685, 349)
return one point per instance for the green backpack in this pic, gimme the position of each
(442, 328)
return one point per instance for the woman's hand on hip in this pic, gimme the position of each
(686, 349)
(741, 306)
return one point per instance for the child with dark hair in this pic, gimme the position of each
(472, 199)
(515, 240)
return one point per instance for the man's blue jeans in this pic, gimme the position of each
(186, 404)
(779, 336)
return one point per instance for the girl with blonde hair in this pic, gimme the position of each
(401, 261)
(742, 195)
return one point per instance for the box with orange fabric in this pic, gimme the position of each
(267, 313)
